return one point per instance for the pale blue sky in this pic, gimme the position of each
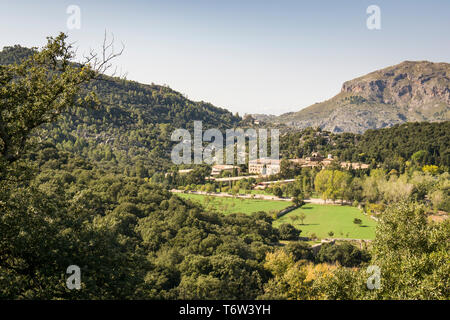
(247, 56)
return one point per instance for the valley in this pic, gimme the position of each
(87, 179)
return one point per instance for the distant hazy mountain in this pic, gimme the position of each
(409, 91)
(263, 117)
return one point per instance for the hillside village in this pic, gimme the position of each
(140, 226)
(265, 167)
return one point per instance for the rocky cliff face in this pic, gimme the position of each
(409, 91)
(409, 84)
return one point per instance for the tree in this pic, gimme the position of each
(333, 184)
(288, 232)
(210, 188)
(235, 190)
(371, 185)
(412, 254)
(345, 254)
(420, 157)
(354, 190)
(293, 280)
(321, 183)
(300, 251)
(357, 221)
(441, 200)
(431, 169)
(293, 218)
(277, 191)
(298, 200)
(341, 185)
(302, 217)
(38, 89)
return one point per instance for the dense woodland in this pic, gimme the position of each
(75, 189)
(129, 129)
(389, 148)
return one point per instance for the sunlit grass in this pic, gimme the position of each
(321, 219)
(227, 205)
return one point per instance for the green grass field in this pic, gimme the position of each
(233, 205)
(321, 219)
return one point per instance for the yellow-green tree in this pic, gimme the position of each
(332, 184)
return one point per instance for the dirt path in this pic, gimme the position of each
(258, 196)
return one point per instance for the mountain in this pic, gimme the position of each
(407, 92)
(263, 117)
(131, 128)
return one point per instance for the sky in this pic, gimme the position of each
(246, 56)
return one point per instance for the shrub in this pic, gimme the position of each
(288, 232)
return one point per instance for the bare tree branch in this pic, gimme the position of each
(101, 63)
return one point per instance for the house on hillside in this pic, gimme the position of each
(328, 160)
(316, 160)
(315, 157)
(354, 165)
(264, 166)
(219, 168)
(184, 171)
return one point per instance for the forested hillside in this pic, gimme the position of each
(131, 127)
(73, 192)
(130, 130)
(390, 148)
(131, 239)
(407, 92)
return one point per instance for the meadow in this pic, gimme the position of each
(233, 205)
(319, 219)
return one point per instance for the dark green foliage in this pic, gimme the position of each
(75, 193)
(345, 254)
(70, 200)
(36, 91)
(277, 191)
(300, 251)
(288, 232)
(298, 200)
(421, 142)
(129, 131)
(14, 54)
(130, 238)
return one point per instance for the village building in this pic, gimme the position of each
(264, 167)
(354, 165)
(219, 168)
(184, 171)
(180, 172)
(316, 160)
(328, 160)
(299, 161)
(315, 157)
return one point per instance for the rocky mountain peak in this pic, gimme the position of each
(409, 91)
